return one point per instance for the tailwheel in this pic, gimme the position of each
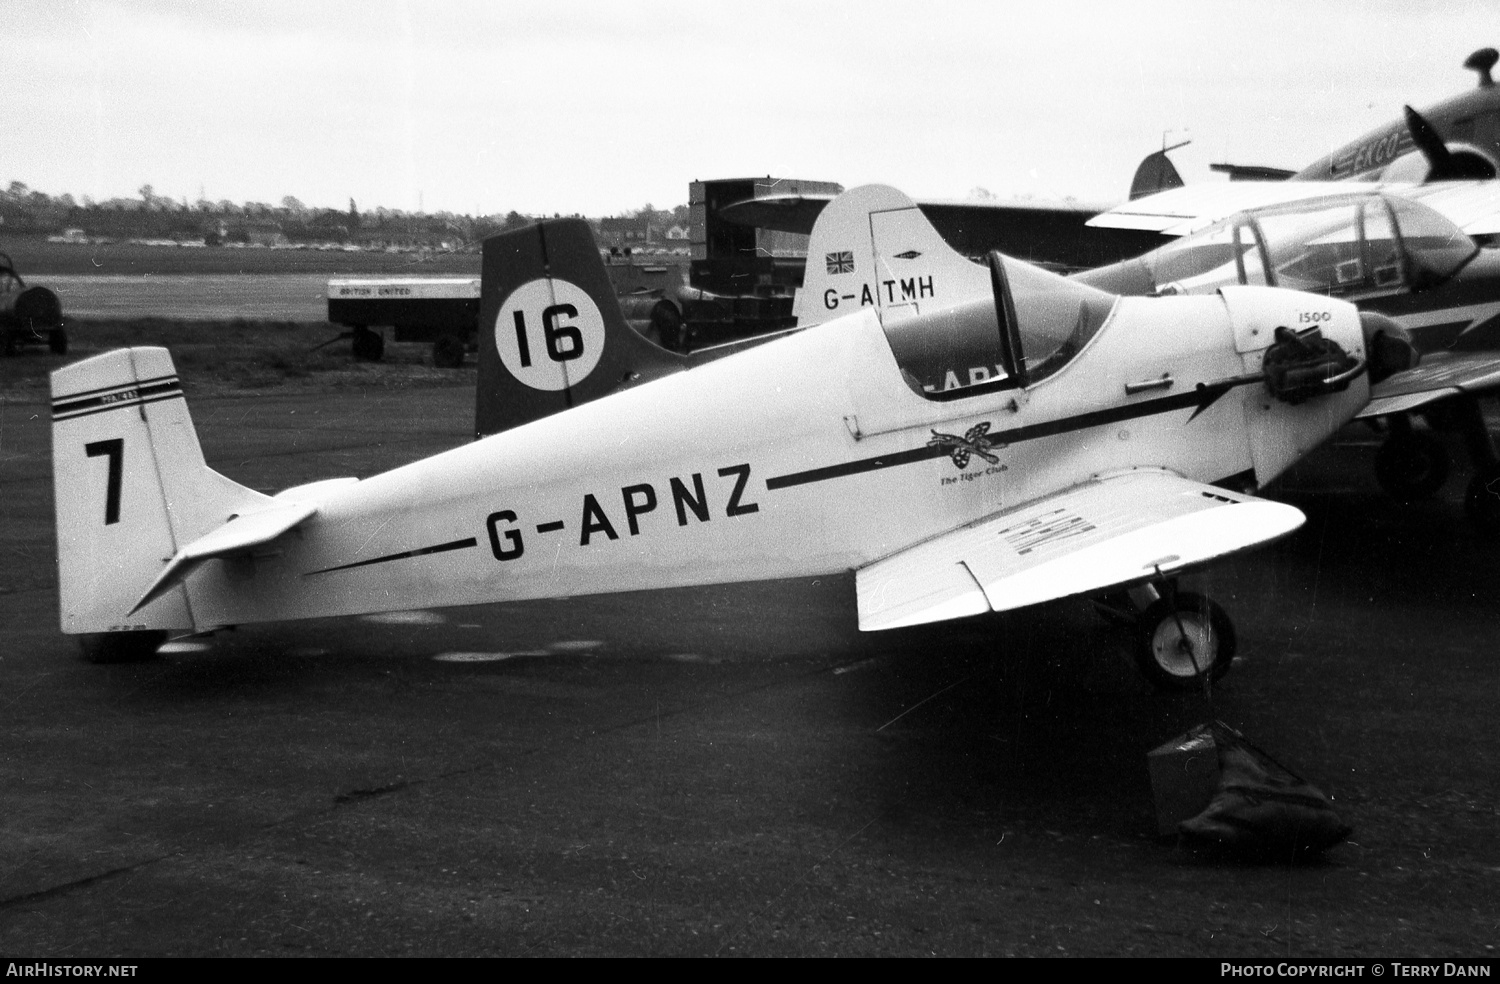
(1182, 637)
(120, 647)
(1482, 501)
(1411, 466)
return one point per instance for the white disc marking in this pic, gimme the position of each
(550, 334)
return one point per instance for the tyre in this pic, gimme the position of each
(57, 341)
(1411, 467)
(1482, 501)
(667, 321)
(1182, 637)
(1443, 416)
(368, 345)
(12, 341)
(448, 352)
(120, 647)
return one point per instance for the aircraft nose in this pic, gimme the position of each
(1387, 346)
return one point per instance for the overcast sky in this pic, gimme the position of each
(598, 108)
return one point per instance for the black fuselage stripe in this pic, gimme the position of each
(857, 467)
(1200, 397)
(405, 554)
(119, 405)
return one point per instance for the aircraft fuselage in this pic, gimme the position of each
(839, 464)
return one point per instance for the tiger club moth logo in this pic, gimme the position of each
(973, 442)
(840, 262)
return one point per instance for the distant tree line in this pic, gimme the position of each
(153, 216)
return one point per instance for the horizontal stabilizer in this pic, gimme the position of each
(1107, 533)
(1252, 172)
(780, 213)
(237, 535)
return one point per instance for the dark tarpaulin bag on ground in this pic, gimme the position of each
(1263, 809)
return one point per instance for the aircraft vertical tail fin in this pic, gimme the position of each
(130, 487)
(873, 247)
(1155, 173)
(551, 335)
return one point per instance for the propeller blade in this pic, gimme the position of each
(1430, 143)
(1442, 163)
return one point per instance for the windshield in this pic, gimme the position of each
(945, 352)
(1225, 253)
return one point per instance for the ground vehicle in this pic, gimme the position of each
(28, 315)
(444, 311)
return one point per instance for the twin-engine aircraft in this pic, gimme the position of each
(1455, 139)
(1106, 449)
(1411, 252)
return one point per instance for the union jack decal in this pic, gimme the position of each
(973, 442)
(841, 262)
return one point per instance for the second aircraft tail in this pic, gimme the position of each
(551, 335)
(873, 247)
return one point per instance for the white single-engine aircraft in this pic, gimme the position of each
(1105, 451)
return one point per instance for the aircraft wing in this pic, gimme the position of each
(1187, 209)
(799, 213)
(1106, 533)
(1440, 374)
(1473, 206)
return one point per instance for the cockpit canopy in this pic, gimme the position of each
(1032, 325)
(1350, 246)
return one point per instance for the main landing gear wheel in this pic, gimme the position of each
(120, 647)
(448, 352)
(1411, 466)
(368, 345)
(57, 341)
(1182, 637)
(668, 324)
(1482, 501)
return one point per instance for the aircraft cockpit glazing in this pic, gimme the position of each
(1034, 323)
(1351, 247)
